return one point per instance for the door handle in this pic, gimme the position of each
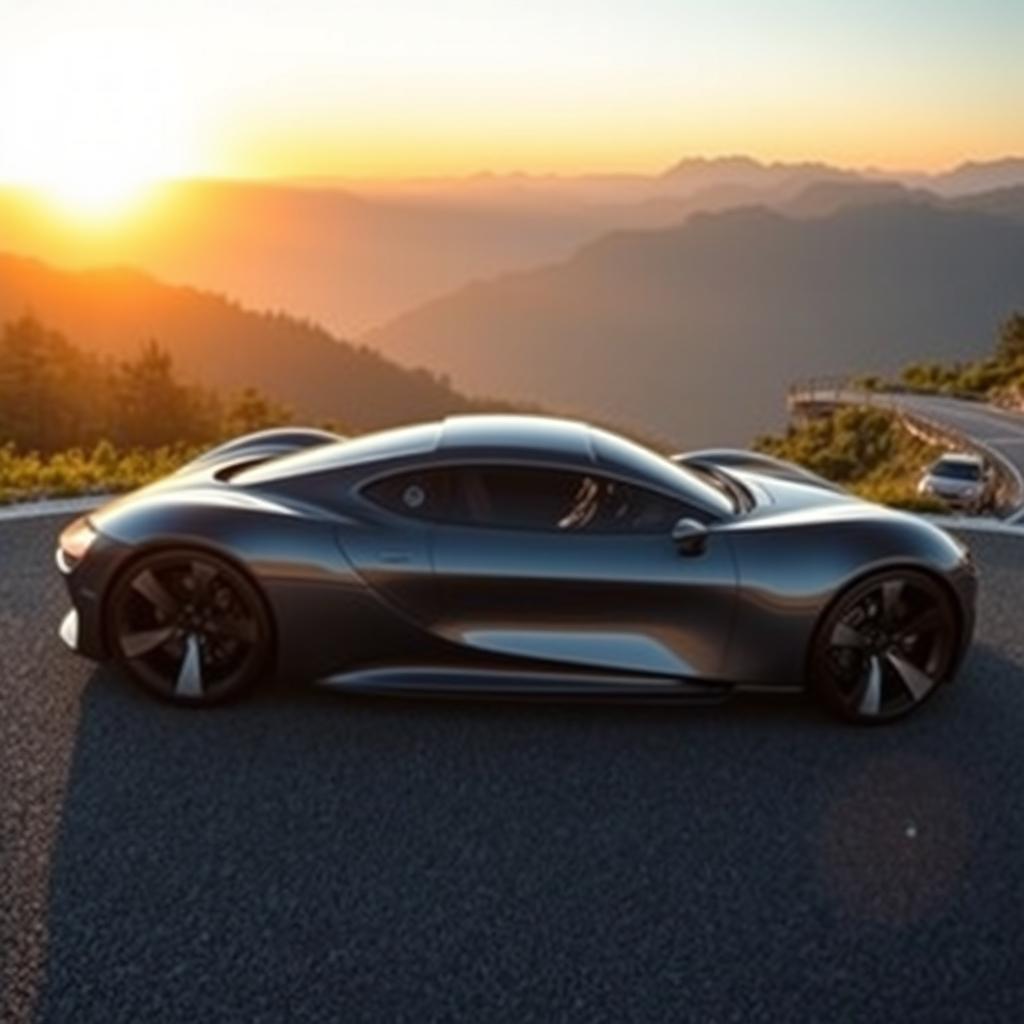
(395, 557)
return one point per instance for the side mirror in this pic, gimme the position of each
(690, 536)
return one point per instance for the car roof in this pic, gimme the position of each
(965, 458)
(540, 438)
(532, 436)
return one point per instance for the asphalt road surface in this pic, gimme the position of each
(313, 857)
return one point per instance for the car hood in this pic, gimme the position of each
(791, 502)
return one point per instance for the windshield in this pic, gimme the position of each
(660, 470)
(957, 470)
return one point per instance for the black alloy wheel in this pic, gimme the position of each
(885, 646)
(189, 627)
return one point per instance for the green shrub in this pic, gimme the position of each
(28, 475)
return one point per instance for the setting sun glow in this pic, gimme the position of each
(94, 126)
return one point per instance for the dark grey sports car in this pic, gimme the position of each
(515, 555)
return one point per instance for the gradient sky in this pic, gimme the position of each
(409, 87)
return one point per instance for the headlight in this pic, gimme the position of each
(75, 541)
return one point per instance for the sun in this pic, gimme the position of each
(99, 189)
(94, 124)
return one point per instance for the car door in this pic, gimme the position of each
(579, 568)
(391, 546)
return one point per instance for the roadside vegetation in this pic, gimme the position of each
(869, 451)
(872, 452)
(102, 469)
(999, 378)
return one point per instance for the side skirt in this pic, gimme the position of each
(424, 681)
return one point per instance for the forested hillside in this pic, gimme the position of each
(219, 345)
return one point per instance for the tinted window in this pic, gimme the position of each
(541, 499)
(422, 495)
(617, 453)
(957, 470)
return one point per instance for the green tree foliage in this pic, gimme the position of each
(153, 408)
(1000, 374)
(251, 410)
(1010, 346)
(54, 397)
(49, 391)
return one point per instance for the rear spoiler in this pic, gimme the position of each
(263, 445)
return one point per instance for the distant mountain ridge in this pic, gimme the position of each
(353, 255)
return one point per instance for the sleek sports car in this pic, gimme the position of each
(515, 555)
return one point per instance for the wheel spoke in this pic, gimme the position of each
(871, 697)
(921, 623)
(190, 676)
(203, 574)
(135, 645)
(892, 591)
(846, 636)
(155, 592)
(918, 683)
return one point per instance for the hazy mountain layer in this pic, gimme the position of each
(697, 331)
(353, 255)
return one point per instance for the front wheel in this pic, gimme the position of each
(885, 646)
(189, 627)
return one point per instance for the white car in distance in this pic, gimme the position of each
(960, 480)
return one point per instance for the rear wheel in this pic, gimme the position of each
(885, 646)
(189, 627)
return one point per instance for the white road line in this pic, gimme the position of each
(52, 507)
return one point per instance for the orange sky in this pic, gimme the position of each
(107, 96)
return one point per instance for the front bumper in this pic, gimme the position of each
(82, 629)
(955, 499)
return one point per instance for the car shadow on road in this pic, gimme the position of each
(309, 855)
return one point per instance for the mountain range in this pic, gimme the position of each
(696, 331)
(352, 255)
(682, 302)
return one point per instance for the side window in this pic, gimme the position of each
(628, 509)
(544, 499)
(420, 495)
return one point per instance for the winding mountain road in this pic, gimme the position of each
(997, 431)
(308, 856)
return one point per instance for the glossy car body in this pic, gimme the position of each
(384, 565)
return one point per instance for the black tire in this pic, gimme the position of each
(189, 627)
(885, 646)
